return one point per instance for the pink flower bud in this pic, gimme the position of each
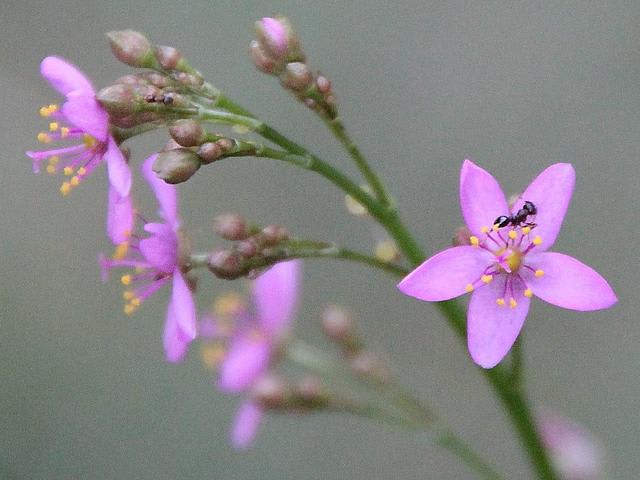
(168, 57)
(187, 132)
(337, 323)
(296, 76)
(231, 226)
(224, 264)
(274, 34)
(176, 166)
(132, 48)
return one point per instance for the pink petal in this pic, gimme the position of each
(87, 114)
(245, 424)
(119, 217)
(492, 329)
(568, 283)
(275, 294)
(247, 359)
(276, 34)
(64, 76)
(119, 171)
(161, 248)
(165, 193)
(175, 341)
(481, 198)
(446, 274)
(184, 306)
(551, 193)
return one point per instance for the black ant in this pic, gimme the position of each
(518, 219)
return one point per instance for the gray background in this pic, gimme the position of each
(514, 85)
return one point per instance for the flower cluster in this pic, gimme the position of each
(505, 265)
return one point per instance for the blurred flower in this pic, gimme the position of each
(88, 123)
(253, 340)
(574, 451)
(157, 259)
(505, 266)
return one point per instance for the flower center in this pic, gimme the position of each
(514, 259)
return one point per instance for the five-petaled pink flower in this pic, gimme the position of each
(254, 341)
(505, 266)
(82, 118)
(157, 260)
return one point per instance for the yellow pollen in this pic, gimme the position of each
(44, 137)
(528, 293)
(136, 301)
(54, 160)
(526, 230)
(486, 278)
(129, 309)
(68, 171)
(64, 132)
(474, 240)
(513, 303)
(121, 251)
(126, 279)
(82, 171)
(500, 302)
(128, 295)
(537, 240)
(75, 181)
(44, 112)
(468, 288)
(53, 126)
(514, 260)
(512, 234)
(484, 229)
(88, 140)
(539, 273)
(65, 189)
(51, 169)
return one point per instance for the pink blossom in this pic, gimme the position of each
(505, 267)
(82, 119)
(157, 260)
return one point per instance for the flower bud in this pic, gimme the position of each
(132, 48)
(231, 226)
(323, 84)
(337, 324)
(224, 264)
(310, 392)
(120, 100)
(260, 59)
(247, 248)
(210, 152)
(367, 364)
(187, 132)
(274, 34)
(176, 166)
(274, 234)
(270, 391)
(168, 57)
(297, 76)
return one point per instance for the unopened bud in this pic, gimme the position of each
(210, 152)
(461, 237)
(231, 226)
(247, 248)
(168, 57)
(132, 48)
(120, 100)
(310, 390)
(270, 391)
(260, 58)
(274, 34)
(323, 84)
(176, 166)
(297, 76)
(367, 364)
(274, 234)
(337, 323)
(224, 264)
(187, 132)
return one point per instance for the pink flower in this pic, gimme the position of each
(156, 259)
(505, 266)
(254, 341)
(88, 123)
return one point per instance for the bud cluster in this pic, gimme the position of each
(277, 51)
(253, 247)
(273, 393)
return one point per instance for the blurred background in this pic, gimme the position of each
(422, 85)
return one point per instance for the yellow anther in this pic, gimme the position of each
(528, 293)
(473, 240)
(68, 171)
(126, 279)
(539, 273)
(51, 169)
(75, 181)
(386, 251)
(82, 171)
(88, 140)
(136, 301)
(128, 295)
(512, 234)
(54, 160)
(495, 227)
(212, 355)
(53, 108)
(526, 230)
(129, 309)
(44, 137)
(500, 302)
(486, 278)
(64, 132)
(468, 288)
(121, 251)
(65, 189)
(513, 303)
(227, 304)
(44, 112)
(537, 240)
(53, 126)
(484, 229)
